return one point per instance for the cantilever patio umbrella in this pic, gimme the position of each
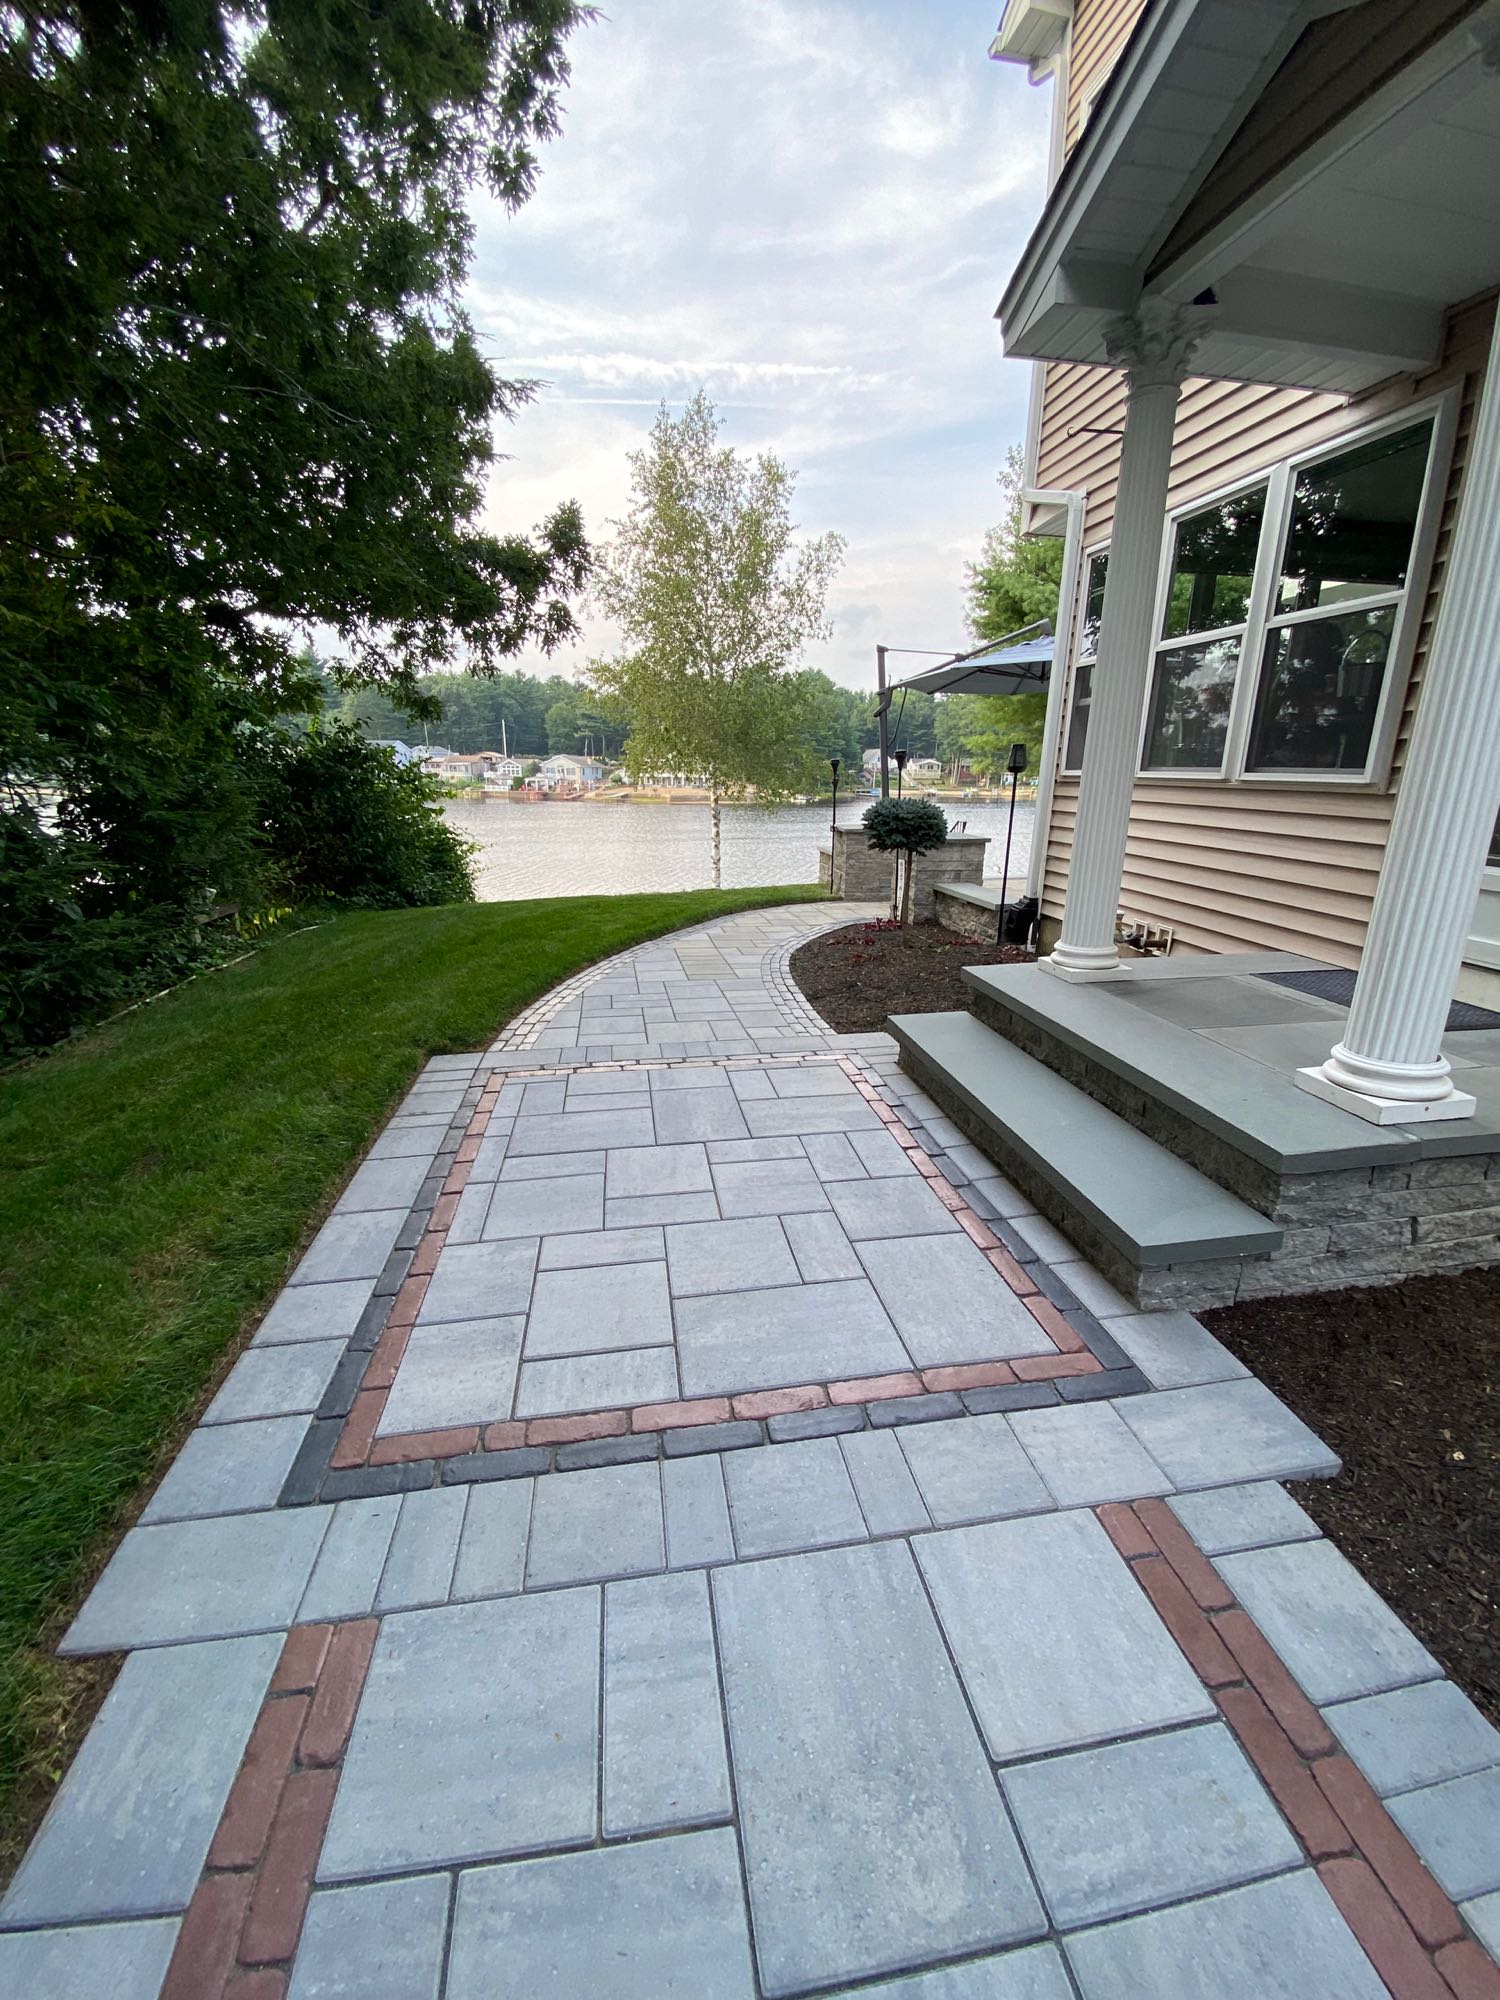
(1002, 668)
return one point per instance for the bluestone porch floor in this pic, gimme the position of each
(687, 1530)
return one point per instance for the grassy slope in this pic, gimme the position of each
(155, 1182)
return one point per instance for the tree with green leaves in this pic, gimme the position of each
(715, 601)
(1014, 583)
(905, 827)
(240, 402)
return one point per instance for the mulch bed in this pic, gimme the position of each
(1404, 1383)
(856, 976)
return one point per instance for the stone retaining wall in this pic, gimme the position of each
(852, 869)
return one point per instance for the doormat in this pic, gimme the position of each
(1337, 986)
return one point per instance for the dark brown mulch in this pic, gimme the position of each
(856, 976)
(1404, 1383)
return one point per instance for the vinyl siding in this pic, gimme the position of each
(1241, 866)
(1101, 28)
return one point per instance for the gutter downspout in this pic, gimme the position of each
(1062, 669)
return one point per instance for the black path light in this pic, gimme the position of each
(1015, 764)
(833, 824)
(900, 757)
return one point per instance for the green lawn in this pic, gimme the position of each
(156, 1182)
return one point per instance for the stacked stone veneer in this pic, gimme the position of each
(1361, 1225)
(853, 870)
(971, 920)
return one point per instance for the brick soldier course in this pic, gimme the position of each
(996, 1663)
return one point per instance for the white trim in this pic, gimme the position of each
(1078, 659)
(1064, 641)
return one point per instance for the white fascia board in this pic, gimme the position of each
(1285, 309)
(1031, 31)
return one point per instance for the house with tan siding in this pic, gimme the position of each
(1260, 309)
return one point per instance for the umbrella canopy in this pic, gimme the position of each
(1005, 669)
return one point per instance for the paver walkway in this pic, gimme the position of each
(687, 1529)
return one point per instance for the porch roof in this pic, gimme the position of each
(1329, 260)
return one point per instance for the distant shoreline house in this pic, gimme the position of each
(490, 768)
(569, 774)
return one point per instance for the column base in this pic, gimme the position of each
(1062, 968)
(1386, 1110)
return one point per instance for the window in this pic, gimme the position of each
(1339, 589)
(1203, 626)
(1090, 613)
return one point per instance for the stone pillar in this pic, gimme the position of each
(1154, 347)
(1389, 1067)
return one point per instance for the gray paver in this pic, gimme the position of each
(131, 1823)
(733, 1341)
(895, 1206)
(822, 1250)
(1047, 1240)
(125, 1961)
(376, 1941)
(530, 1208)
(315, 1312)
(733, 1152)
(793, 1496)
(490, 1158)
(351, 1246)
(972, 1469)
(832, 1156)
(1280, 1940)
(467, 1225)
(227, 1469)
(743, 1255)
(637, 1211)
(597, 1382)
(811, 1080)
(460, 1371)
(601, 1523)
(276, 1381)
(1225, 1433)
(603, 1083)
(768, 1187)
(1136, 1824)
(1455, 1827)
(948, 1302)
(1483, 1914)
(778, 1116)
(1069, 1651)
(1415, 1736)
(384, 1184)
(1335, 1634)
(206, 1579)
(419, 1567)
(1222, 1519)
(887, 1493)
(579, 1131)
(648, 1170)
(1175, 1351)
(844, 1744)
(347, 1573)
(664, 1761)
(476, 1736)
(492, 1549)
(1035, 1972)
(671, 1909)
(480, 1281)
(879, 1154)
(407, 1136)
(602, 1246)
(549, 1166)
(1087, 1455)
(551, 1095)
(584, 1312)
(1091, 1290)
(1004, 1197)
(696, 1510)
(698, 1114)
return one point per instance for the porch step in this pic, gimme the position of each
(1056, 1141)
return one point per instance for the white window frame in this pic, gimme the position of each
(1078, 660)
(1259, 582)
(1280, 478)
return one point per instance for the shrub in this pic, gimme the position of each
(908, 827)
(345, 823)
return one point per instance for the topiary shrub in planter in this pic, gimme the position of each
(907, 827)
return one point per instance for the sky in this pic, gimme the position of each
(811, 209)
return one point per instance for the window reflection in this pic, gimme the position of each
(1190, 706)
(1088, 648)
(1320, 692)
(1353, 520)
(1213, 565)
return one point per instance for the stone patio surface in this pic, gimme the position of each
(688, 1529)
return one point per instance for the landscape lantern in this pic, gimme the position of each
(833, 823)
(1015, 764)
(900, 758)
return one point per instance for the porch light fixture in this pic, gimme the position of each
(900, 757)
(833, 823)
(1015, 764)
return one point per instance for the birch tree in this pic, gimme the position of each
(715, 600)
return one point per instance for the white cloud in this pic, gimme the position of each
(811, 208)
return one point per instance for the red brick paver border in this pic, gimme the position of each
(1408, 1928)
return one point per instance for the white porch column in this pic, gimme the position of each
(1154, 347)
(1389, 1066)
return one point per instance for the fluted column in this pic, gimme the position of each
(1154, 346)
(1389, 1066)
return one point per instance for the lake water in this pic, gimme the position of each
(581, 848)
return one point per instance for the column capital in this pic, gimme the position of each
(1156, 343)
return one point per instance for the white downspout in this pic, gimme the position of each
(1062, 666)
